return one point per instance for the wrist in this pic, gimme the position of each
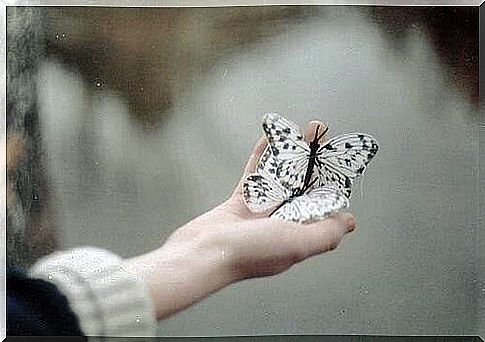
(179, 275)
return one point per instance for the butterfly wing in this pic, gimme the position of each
(281, 170)
(316, 205)
(262, 192)
(344, 158)
(326, 174)
(288, 148)
(267, 163)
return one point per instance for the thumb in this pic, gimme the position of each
(253, 161)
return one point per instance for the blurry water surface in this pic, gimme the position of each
(410, 268)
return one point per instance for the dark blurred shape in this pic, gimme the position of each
(452, 30)
(149, 54)
(30, 230)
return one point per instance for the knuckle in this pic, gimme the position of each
(333, 244)
(298, 254)
(335, 240)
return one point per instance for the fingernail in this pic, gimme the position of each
(351, 224)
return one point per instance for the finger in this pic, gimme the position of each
(312, 128)
(258, 150)
(324, 235)
(252, 163)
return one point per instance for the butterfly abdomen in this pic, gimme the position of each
(312, 158)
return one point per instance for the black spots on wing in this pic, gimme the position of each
(329, 147)
(361, 137)
(286, 146)
(269, 125)
(293, 147)
(276, 152)
(266, 128)
(264, 158)
(373, 150)
(286, 185)
(295, 192)
(272, 171)
(348, 145)
(246, 191)
(286, 130)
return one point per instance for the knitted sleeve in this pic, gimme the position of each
(107, 300)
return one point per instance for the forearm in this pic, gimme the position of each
(179, 275)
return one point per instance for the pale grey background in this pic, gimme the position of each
(411, 268)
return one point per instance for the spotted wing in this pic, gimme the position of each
(267, 163)
(288, 148)
(344, 158)
(280, 170)
(316, 205)
(262, 192)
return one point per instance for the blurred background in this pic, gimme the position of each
(146, 117)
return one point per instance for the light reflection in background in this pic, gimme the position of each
(411, 266)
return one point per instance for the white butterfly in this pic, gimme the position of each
(338, 161)
(262, 192)
(285, 180)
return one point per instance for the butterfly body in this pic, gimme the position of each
(312, 158)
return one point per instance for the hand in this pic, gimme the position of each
(229, 244)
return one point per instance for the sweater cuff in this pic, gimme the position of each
(108, 300)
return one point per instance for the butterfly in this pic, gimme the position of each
(294, 162)
(285, 182)
(262, 192)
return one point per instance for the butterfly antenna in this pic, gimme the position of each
(309, 185)
(323, 133)
(315, 139)
(276, 209)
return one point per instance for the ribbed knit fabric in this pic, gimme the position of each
(108, 300)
